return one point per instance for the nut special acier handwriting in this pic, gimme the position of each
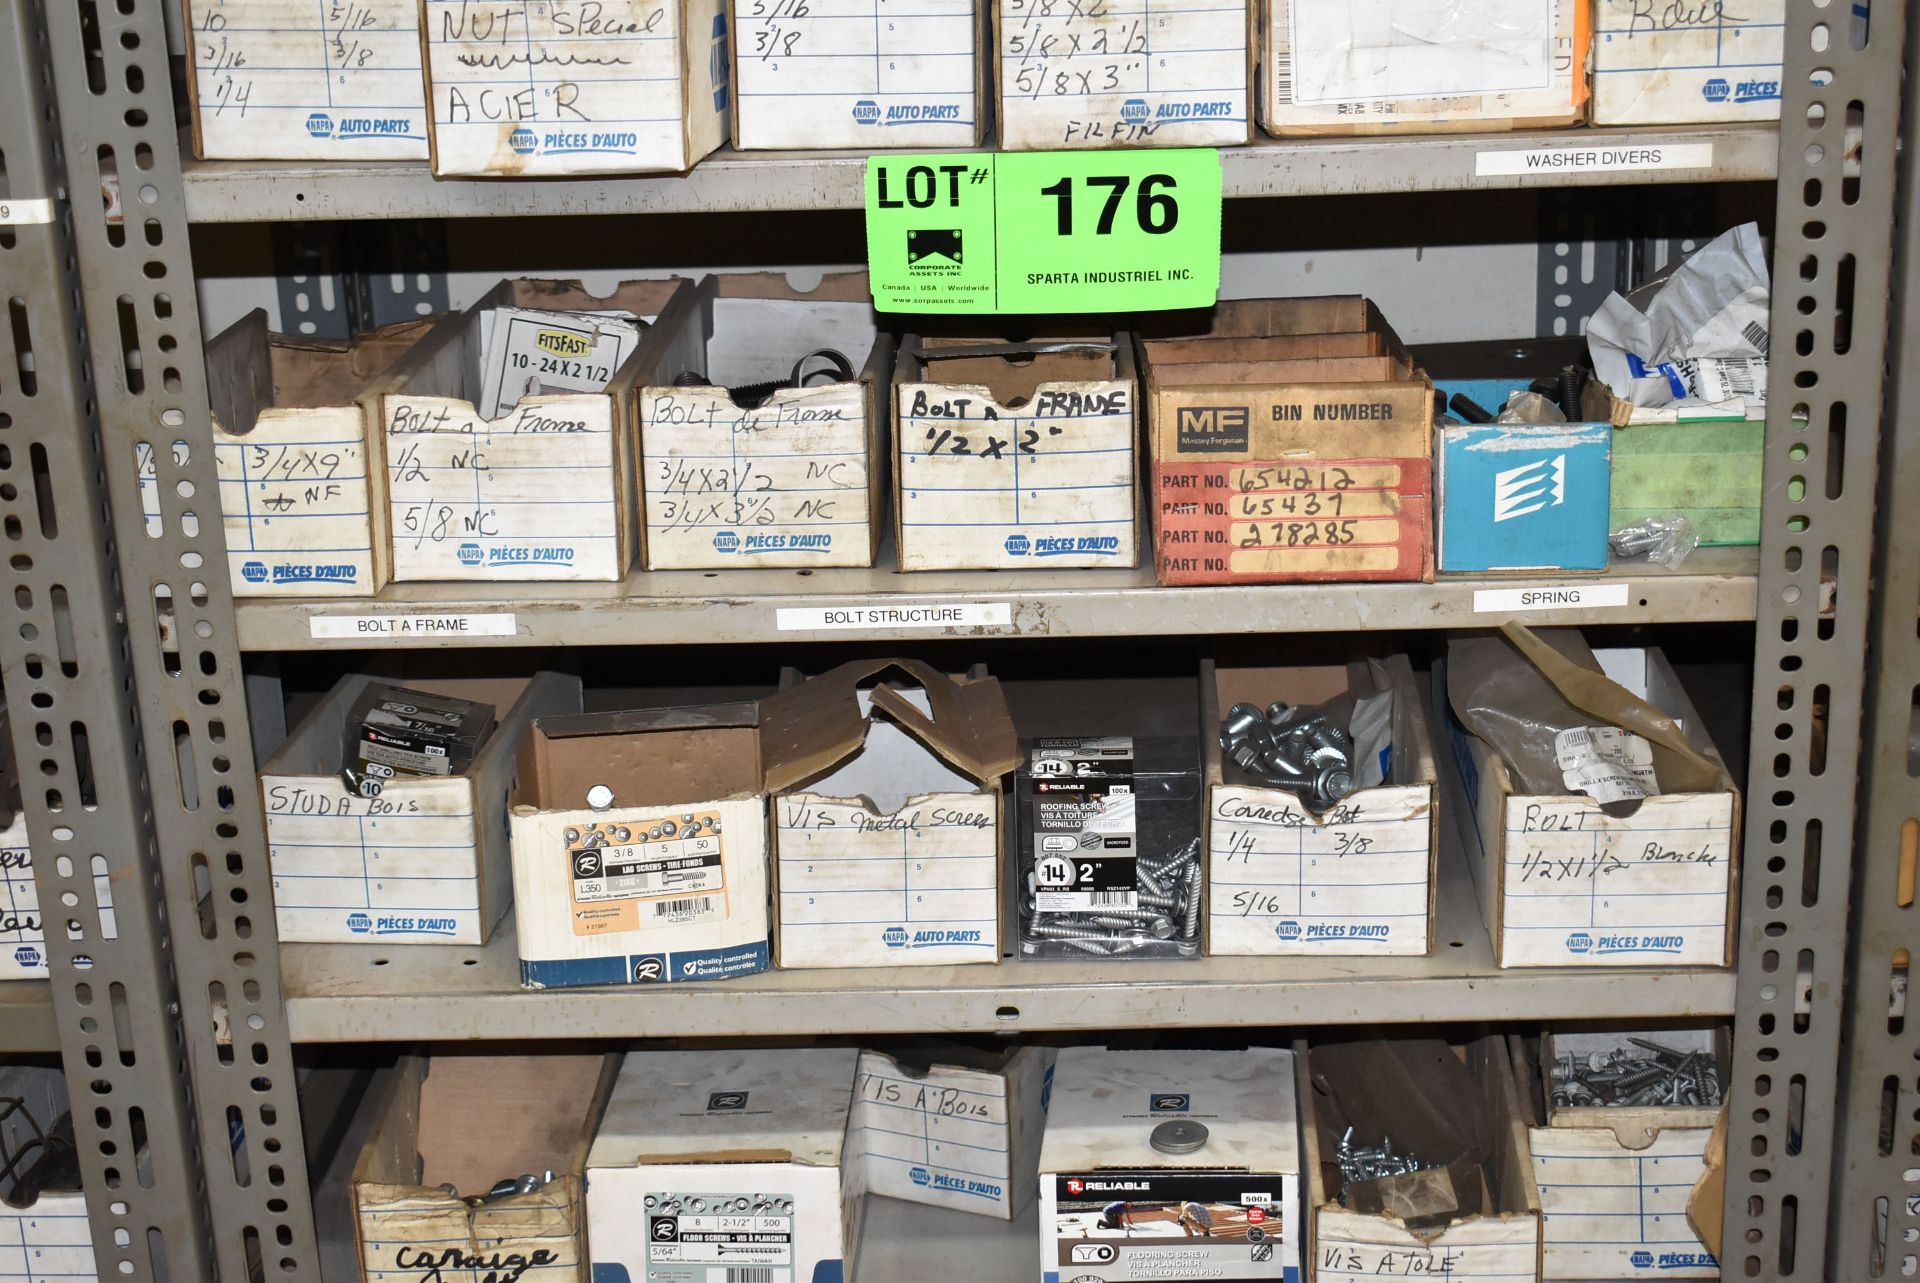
(588, 39)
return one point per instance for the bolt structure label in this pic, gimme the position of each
(1030, 232)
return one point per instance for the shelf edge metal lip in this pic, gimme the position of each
(232, 191)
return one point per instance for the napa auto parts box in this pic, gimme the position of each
(797, 480)
(640, 847)
(888, 815)
(23, 940)
(1171, 1165)
(1379, 66)
(1684, 65)
(727, 1165)
(1270, 465)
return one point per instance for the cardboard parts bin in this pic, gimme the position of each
(1545, 864)
(1171, 1165)
(1615, 1180)
(1702, 461)
(888, 815)
(1375, 67)
(49, 1237)
(640, 847)
(726, 1165)
(1452, 1106)
(1721, 65)
(426, 861)
(469, 1121)
(541, 491)
(23, 937)
(798, 480)
(1012, 455)
(1523, 496)
(1359, 879)
(302, 478)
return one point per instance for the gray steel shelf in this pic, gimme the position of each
(279, 191)
(669, 607)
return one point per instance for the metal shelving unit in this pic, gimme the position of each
(126, 652)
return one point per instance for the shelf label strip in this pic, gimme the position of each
(1508, 601)
(372, 627)
(25, 213)
(1590, 159)
(961, 614)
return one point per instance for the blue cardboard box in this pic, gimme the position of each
(1523, 496)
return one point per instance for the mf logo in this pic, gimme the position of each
(726, 1102)
(1210, 429)
(1529, 488)
(1169, 1103)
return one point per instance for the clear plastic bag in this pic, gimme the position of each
(1665, 540)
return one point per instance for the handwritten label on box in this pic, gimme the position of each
(304, 80)
(857, 73)
(1343, 1261)
(293, 494)
(1358, 880)
(529, 496)
(945, 1133)
(1143, 73)
(787, 483)
(23, 942)
(986, 487)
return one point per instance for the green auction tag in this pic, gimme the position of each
(1034, 232)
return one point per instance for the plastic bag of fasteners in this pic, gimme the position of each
(1109, 847)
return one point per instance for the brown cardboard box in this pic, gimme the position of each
(1273, 468)
(470, 1121)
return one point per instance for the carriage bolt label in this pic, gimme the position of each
(1085, 837)
(658, 871)
(736, 1239)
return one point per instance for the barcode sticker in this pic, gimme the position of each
(1756, 334)
(1605, 762)
(674, 908)
(748, 1274)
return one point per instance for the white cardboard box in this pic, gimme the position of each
(1359, 879)
(797, 481)
(1545, 865)
(1094, 75)
(51, 1239)
(887, 829)
(726, 1158)
(1376, 66)
(301, 487)
(950, 1126)
(470, 1121)
(1686, 64)
(640, 847)
(1386, 1084)
(545, 491)
(1010, 456)
(865, 74)
(425, 862)
(1244, 1180)
(574, 86)
(23, 936)
(291, 80)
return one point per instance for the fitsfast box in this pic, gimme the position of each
(424, 862)
(23, 937)
(1523, 497)
(888, 815)
(1114, 1206)
(983, 485)
(912, 75)
(467, 1121)
(302, 485)
(574, 86)
(951, 1126)
(796, 481)
(1687, 66)
(1360, 879)
(1563, 883)
(542, 491)
(640, 847)
(1374, 66)
(1291, 441)
(726, 1164)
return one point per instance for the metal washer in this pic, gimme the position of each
(1179, 1136)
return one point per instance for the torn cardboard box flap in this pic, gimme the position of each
(646, 757)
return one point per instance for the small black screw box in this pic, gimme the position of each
(397, 732)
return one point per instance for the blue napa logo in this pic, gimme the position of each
(1579, 942)
(894, 937)
(920, 1176)
(359, 923)
(1135, 111)
(320, 125)
(523, 142)
(254, 572)
(866, 111)
(1018, 545)
(726, 541)
(470, 554)
(1643, 1260)
(1288, 930)
(721, 65)
(1716, 90)
(27, 956)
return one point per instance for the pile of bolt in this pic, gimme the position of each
(1359, 1164)
(688, 826)
(1166, 913)
(728, 1205)
(507, 1188)
(1290, 748)
(1662, 1076)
